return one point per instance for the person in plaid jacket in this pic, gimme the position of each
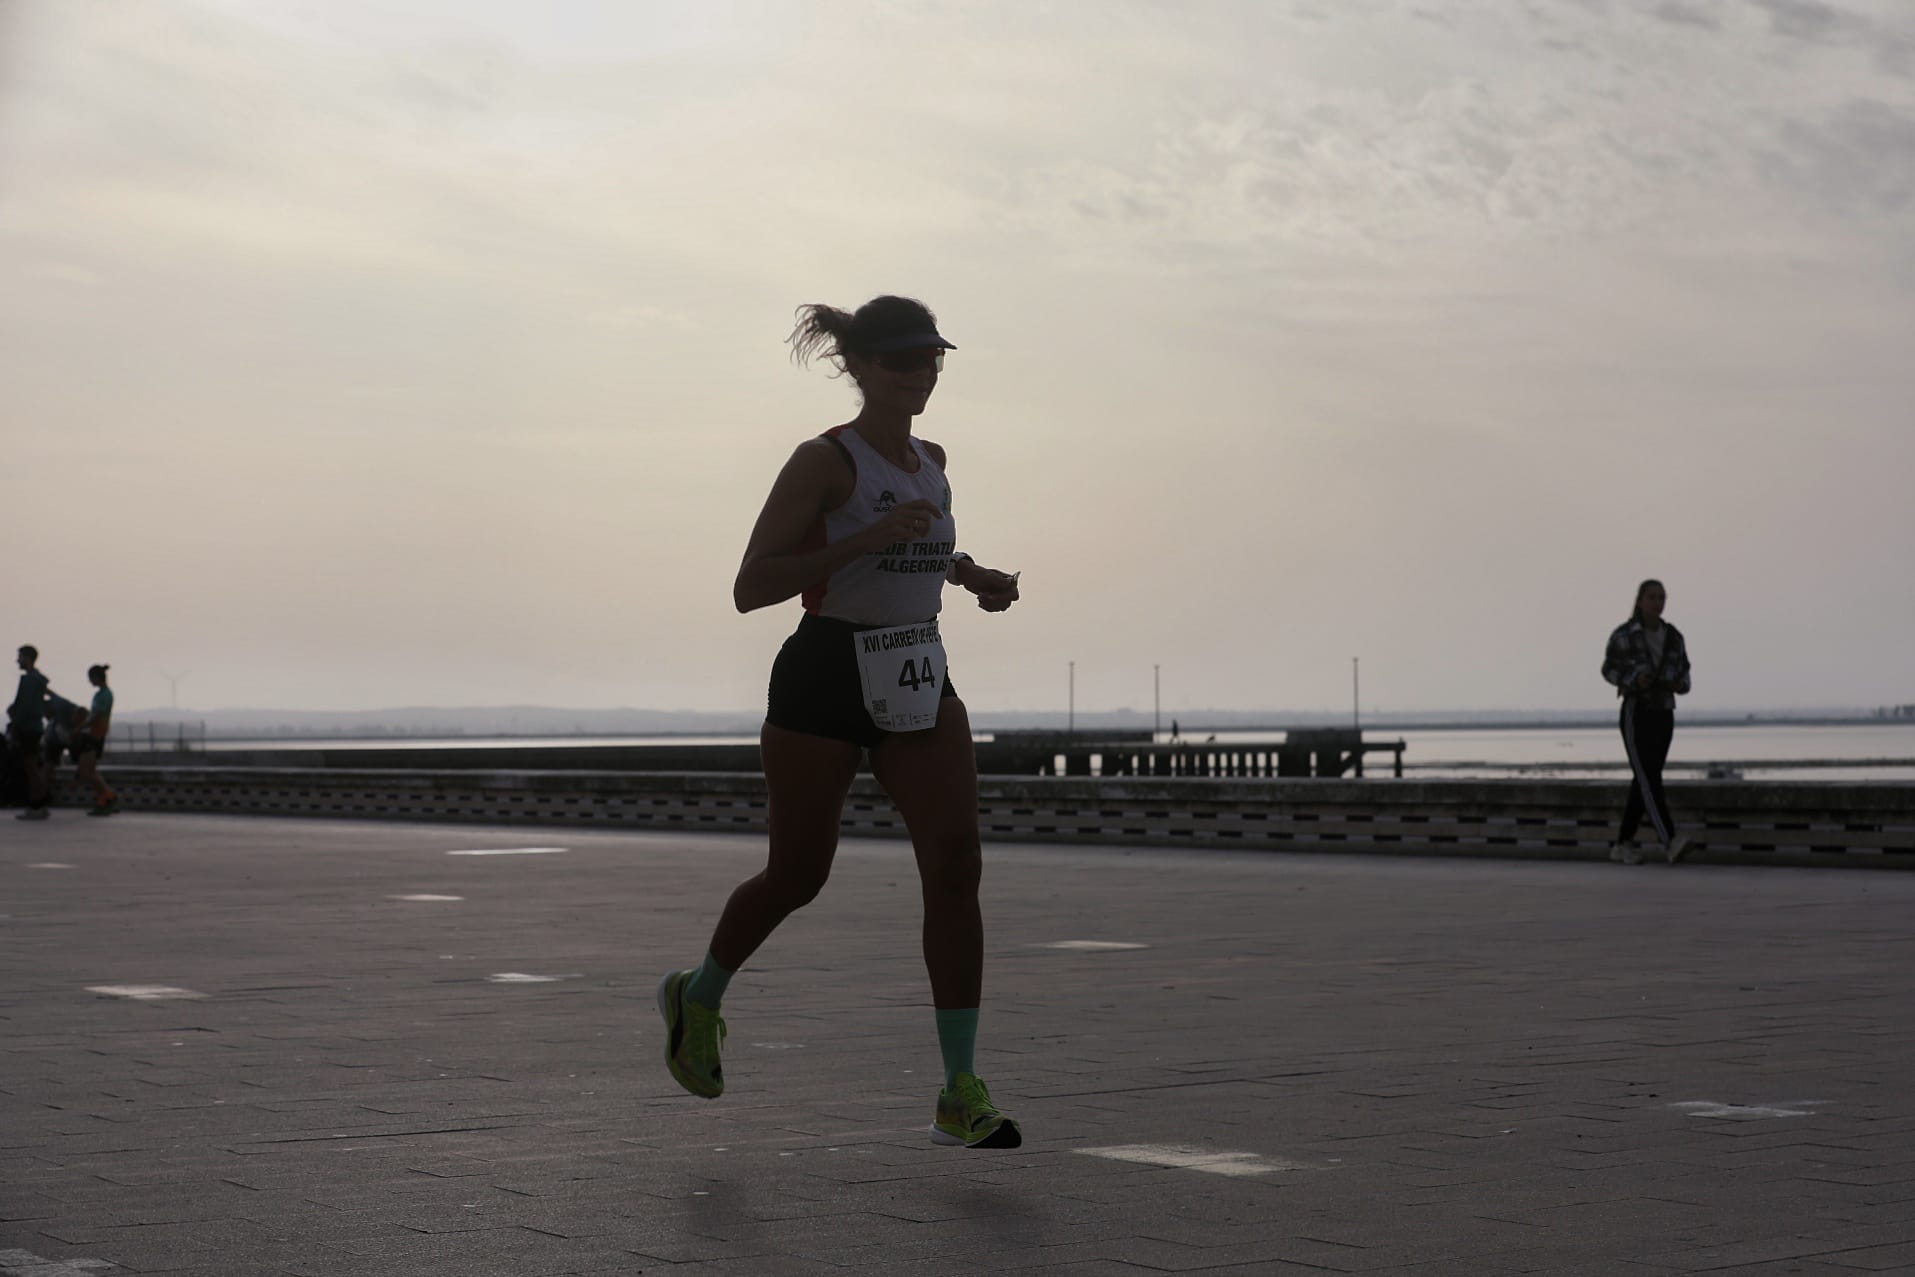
(1647, 663)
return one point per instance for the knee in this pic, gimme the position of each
(954, 872)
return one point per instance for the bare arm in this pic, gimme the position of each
(815, 480)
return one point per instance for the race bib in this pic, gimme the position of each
(902, 670)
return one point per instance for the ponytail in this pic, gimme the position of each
(825, 332)
(820, 333)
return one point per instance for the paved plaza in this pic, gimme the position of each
(236, 1045)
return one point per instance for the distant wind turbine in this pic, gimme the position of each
(174, 679)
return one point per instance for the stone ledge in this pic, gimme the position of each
(1869, 824)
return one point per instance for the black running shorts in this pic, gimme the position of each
(815, 687)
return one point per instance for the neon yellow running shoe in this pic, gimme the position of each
(966, 1116)
(693, 1035)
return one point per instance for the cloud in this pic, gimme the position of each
(1682, 13)
(1860, 156)
(1808, 19)
(65, 273)
(1884, 30)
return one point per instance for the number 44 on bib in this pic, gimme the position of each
(902, 673)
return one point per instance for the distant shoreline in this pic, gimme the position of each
(1585, 724)
(1091, 731)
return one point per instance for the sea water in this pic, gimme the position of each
(1758, 751)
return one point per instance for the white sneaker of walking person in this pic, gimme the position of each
(1678, 848)
(1625, 853)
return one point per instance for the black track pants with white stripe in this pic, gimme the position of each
(1646, 732)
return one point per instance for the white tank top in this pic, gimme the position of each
(897, 583)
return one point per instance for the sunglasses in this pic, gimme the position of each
(931, 357)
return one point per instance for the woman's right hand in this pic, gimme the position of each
(906, 521)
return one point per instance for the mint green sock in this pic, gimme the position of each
(957, 1040)
(707, 985)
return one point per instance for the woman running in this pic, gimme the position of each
(859, 524)
(1648, 664)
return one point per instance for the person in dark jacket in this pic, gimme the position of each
(1647, 663)
(26, 727)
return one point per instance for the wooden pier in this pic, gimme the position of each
(1328, 752)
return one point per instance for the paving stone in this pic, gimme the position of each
(1787, 1268)
(1878, 1259)
(1475, 1067)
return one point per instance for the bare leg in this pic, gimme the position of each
(87, 769)
(807, 778)
(932, 777)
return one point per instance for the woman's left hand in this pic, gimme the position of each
(995, 590)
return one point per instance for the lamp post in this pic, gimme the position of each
(1156, 703)
(1356, 709)
(1070, 722)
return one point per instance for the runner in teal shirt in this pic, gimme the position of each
(91, 743)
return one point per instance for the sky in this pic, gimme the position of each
(430, 353)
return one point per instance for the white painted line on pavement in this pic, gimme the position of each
(48, 864)
(1092, 946)
(27, 1264)
(1178, 1158)
(520, 977)
(1748, 1112)
(423, 896)
(511, 851)
(142, 992)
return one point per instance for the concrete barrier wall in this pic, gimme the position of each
(1870, 824)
